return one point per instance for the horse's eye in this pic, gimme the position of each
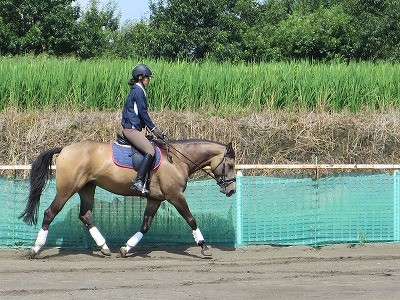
(231, 166)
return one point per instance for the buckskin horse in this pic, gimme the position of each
(82, 166)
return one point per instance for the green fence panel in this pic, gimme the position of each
(117, 217)
(347, 208)
(301, 211)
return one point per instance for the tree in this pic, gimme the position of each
(375, 28)
(322, 34)
(37, 26)
(130, 41)
(235, 30)
(55, 27)
(196, 29)
(96, 27)
(258, 39)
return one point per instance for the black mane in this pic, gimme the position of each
(194, 141)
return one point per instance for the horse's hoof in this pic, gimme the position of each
(106, 252)
(206, 252)
(122, 251)
(32, 253)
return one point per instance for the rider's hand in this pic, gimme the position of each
(158, 133)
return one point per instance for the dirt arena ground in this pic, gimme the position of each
(370, 271)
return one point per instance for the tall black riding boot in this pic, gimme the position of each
(139, 184)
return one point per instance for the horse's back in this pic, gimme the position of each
(90, 161)
(85, 148)
(85, 155)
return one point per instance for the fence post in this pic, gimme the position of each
(396, 206)
(239, 214)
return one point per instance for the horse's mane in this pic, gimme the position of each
(200, 141)
(165, 145)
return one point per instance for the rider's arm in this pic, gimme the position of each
(141, 102)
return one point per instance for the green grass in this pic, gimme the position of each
(219, 88)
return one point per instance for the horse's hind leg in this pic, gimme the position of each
(85, 215)
(149, 213)
(49, 214)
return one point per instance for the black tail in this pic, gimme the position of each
(40, 171)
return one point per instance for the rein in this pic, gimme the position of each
(222, 181)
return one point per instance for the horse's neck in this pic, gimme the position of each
(200, 154)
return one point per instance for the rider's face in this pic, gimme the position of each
(145, 81)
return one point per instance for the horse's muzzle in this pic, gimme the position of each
(230, 193)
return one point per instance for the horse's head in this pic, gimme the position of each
(224, 171)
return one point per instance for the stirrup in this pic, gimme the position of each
(139, 186)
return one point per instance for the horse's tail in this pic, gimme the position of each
(40, 171)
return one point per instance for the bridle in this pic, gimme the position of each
(222, 180)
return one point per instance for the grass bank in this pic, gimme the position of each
(277, 137)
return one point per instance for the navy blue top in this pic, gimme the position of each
(131, 119)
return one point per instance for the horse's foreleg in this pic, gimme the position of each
(149, 213)
(181, 206)
(85, 215)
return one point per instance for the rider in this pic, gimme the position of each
(134, 118)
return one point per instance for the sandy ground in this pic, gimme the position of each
(369, 271)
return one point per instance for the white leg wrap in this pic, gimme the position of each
(96, 235)
(198, 237)
(132, 242)
(40, 240)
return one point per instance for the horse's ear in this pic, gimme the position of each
(229, 150)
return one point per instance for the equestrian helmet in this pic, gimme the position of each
(141, 69)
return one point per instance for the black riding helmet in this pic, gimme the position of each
(141, 69)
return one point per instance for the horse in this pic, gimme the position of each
(82, 166)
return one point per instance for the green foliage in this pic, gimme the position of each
(375, 30)
(62, 83)
(322, 34)
(37, 26)
(55, 27)
(201, 29)
(218, 88)
(130, 41)
(220, 30)
(96, 28)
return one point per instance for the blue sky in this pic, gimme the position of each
(129, 9)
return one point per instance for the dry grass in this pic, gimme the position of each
(268, 137)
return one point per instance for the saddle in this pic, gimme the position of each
(125, 154)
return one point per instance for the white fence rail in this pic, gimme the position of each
(275, 167)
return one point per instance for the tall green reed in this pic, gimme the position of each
(218, 88)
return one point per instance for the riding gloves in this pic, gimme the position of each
(158, 133)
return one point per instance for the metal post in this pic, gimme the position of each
(239, 215)
(396, 206)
